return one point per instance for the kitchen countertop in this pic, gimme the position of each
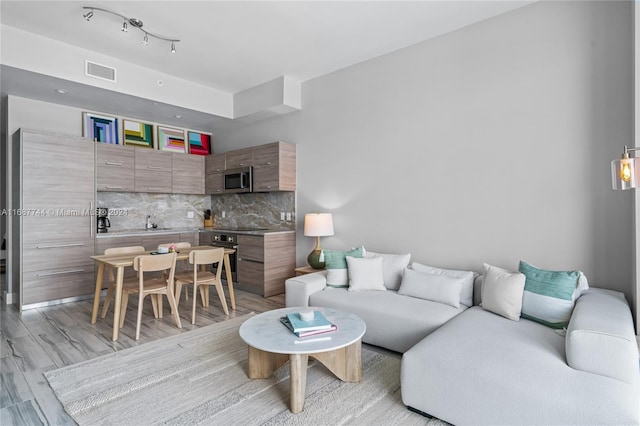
(162, 231)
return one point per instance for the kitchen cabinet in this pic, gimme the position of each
(274, 167)
(265, 262)
(187, 175)
(215, 163)
(239, 158)
(115, 168)
(214, 173)
(153, 170)
(53, 195)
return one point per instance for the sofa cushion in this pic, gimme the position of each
(393, 321)
(434, 287)
(365, 273)
(502, 292)
(548, 295)
(336, 263)
(482, 369)
(466, 297)
(600, 337)
(392, 267)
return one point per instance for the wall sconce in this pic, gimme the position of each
(317, 225)
(134, 22)
(623, 170)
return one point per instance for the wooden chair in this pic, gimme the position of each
(112, 280)
(202, 277)
(156, 286)
(181, 264)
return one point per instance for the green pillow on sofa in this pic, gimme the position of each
(548, 295)
(336, 264)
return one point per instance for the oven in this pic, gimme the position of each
(228, 241)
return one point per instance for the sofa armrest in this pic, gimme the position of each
(600, 336)
(298, 289)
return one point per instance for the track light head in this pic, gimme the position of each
(88, 15)
(124, 27)
(173, 47)
(145, 40)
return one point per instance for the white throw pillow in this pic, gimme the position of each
(392, 268)
(466, 297)
(365, 273)
(435, 287)
(502, 292)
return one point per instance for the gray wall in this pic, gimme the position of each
(489, 144)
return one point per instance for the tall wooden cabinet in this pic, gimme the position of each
(52, 216)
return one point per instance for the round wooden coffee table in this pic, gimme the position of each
(271, 345)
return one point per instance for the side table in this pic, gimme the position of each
(304, 270)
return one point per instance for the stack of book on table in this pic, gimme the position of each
(301, 328)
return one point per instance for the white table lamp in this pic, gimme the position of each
(317, 225)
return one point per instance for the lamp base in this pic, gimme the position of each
(314, 259)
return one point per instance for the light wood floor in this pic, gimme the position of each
(39, 340)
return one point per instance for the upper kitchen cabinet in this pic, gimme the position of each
(115, 168)
(214, 171)
(274, 167)
(153, 171)
(52, 222)
(239, 158)
(188, 174)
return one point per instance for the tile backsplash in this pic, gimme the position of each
(129, 210)
(262, 210)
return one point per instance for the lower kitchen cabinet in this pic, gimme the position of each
(265, 262)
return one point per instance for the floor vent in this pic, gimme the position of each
(102, 72)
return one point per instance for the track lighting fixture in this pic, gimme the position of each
(134, 22)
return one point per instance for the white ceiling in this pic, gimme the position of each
(235, 45)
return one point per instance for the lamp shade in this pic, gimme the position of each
(623, 173)
(318, 224)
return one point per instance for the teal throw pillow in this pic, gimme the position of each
(336, 263)
(548, 295)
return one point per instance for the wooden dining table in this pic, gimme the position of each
(121, 261)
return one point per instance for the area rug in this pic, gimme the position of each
(200, 377)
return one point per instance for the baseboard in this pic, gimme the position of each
(8, 298)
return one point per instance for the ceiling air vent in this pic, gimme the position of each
(102, 72)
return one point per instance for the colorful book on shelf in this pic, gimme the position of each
(287, 323)
(319, 322)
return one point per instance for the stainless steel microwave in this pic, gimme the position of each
(238, 180)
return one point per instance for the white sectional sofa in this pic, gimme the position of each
(467, 365)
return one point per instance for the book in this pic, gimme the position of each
(287, 323)
(319, 322)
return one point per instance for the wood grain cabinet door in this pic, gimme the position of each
(153, 170)
(187, 174)
(274, 167)
(115, 168)
(239, 158)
